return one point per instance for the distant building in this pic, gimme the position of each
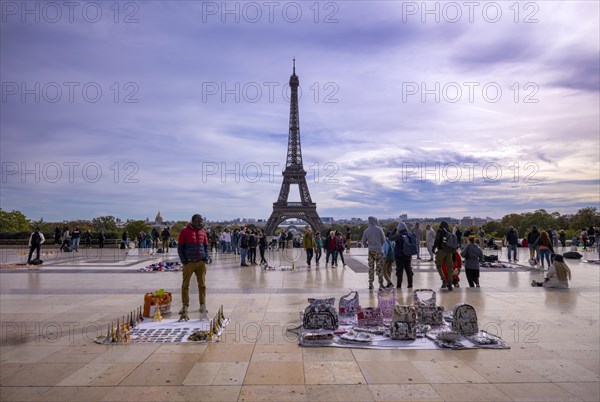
(403, 217)
(327, 219)
(469, 221)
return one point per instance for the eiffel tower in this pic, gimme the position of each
(294, 173)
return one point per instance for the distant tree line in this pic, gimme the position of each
(15, 225)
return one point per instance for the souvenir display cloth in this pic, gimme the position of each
(597, 262)
(320, 314)
(509, 266)
(349, 337)
(349, 304)
(172, 331)
(455, 329)
(386, 300)
(163, 266)
(283, 268)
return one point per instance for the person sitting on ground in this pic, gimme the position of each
(558, 276)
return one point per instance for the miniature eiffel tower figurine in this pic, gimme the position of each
(157, 315)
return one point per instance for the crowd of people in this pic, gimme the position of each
(449, 249)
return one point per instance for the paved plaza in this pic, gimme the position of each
(49, 317)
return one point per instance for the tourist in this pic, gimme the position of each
(148, 242)
(57, 236)
(574, 243)
(155, 235)
(544, 246)
(252, 243)
(558, 276)
(403, 262)
(389, 258)
(235, 240)
(318, 248)
(125, 240)
(309, 244)
(165, 235)
(418, 232)
(88, 239)
(262, 246)
(562, 236)
(532, 236)
(481, 233)
(591, 236)
(192, 247)
(101, 238)
(76, 238)
(429, 239)
(348, 239)
(243, 247)
(36, 239)
(66, 240)
(340, 245)
(512, 238)
(373, 238)
(443, 252)
(458, 233)
(554, 237)
(214, 240)
(473, 256)
(584, 238)
(330, 248)
(456, 266)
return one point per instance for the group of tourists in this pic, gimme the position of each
(446, 249)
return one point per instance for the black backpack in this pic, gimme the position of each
(244, 241)
(36, 239)
(252, 241)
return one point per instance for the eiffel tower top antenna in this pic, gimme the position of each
(294, 60)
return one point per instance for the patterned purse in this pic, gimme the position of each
(320, 314)
(424, 298)
(465, 319)
(404, 322)
(386, 300)
(349, 305)
(369, 317)
(427, 312)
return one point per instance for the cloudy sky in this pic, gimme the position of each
(429, 109)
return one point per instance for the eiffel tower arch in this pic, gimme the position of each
(294, 173)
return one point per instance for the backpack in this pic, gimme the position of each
(465, 320)
(389, 256)
(409, 245)
(450, 240)
(252, 241)
(244, 242)
(36, 239)
(320, 314)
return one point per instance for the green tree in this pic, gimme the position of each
(108, 223)
(13, 221)
(177, 227)
(134, 228)
(584, 218)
